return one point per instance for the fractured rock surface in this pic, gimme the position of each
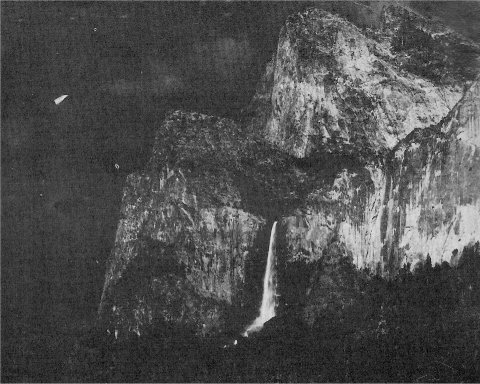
(363, 143)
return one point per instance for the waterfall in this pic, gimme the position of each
(267, 309)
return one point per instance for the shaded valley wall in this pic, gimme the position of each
(182, 244)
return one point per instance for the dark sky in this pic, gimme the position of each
(123, 65)
(169, 50)
(199, 55)
(206, 55)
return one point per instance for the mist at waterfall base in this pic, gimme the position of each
(269, 302)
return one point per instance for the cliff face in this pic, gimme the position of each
(338, 87)
(373, 101)
(362, 144)
(434, 200)
(422, 200)
(346, 212)
(182, 244)
(335, 86)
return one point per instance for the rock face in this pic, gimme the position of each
(181, 247)
(424, 200)
(376, 104)
(362, 143)
(434, 199)
(338, 87)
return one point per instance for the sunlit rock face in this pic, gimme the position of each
(434, 188)
(336, 86)
(422, 200)
(379, 103)
(183, 241)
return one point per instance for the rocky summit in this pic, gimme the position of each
(362, 142)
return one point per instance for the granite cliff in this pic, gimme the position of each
(375, 115)
(183, 241)
(333, 84)
(421, 201)
(362, 142)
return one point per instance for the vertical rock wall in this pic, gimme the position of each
(436, 189)
(334, 85)
(424, 200)
(385, 103)
(181, 246)
(369, 149)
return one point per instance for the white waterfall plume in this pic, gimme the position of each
(267, 309)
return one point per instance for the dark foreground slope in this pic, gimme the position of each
(420, 326)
